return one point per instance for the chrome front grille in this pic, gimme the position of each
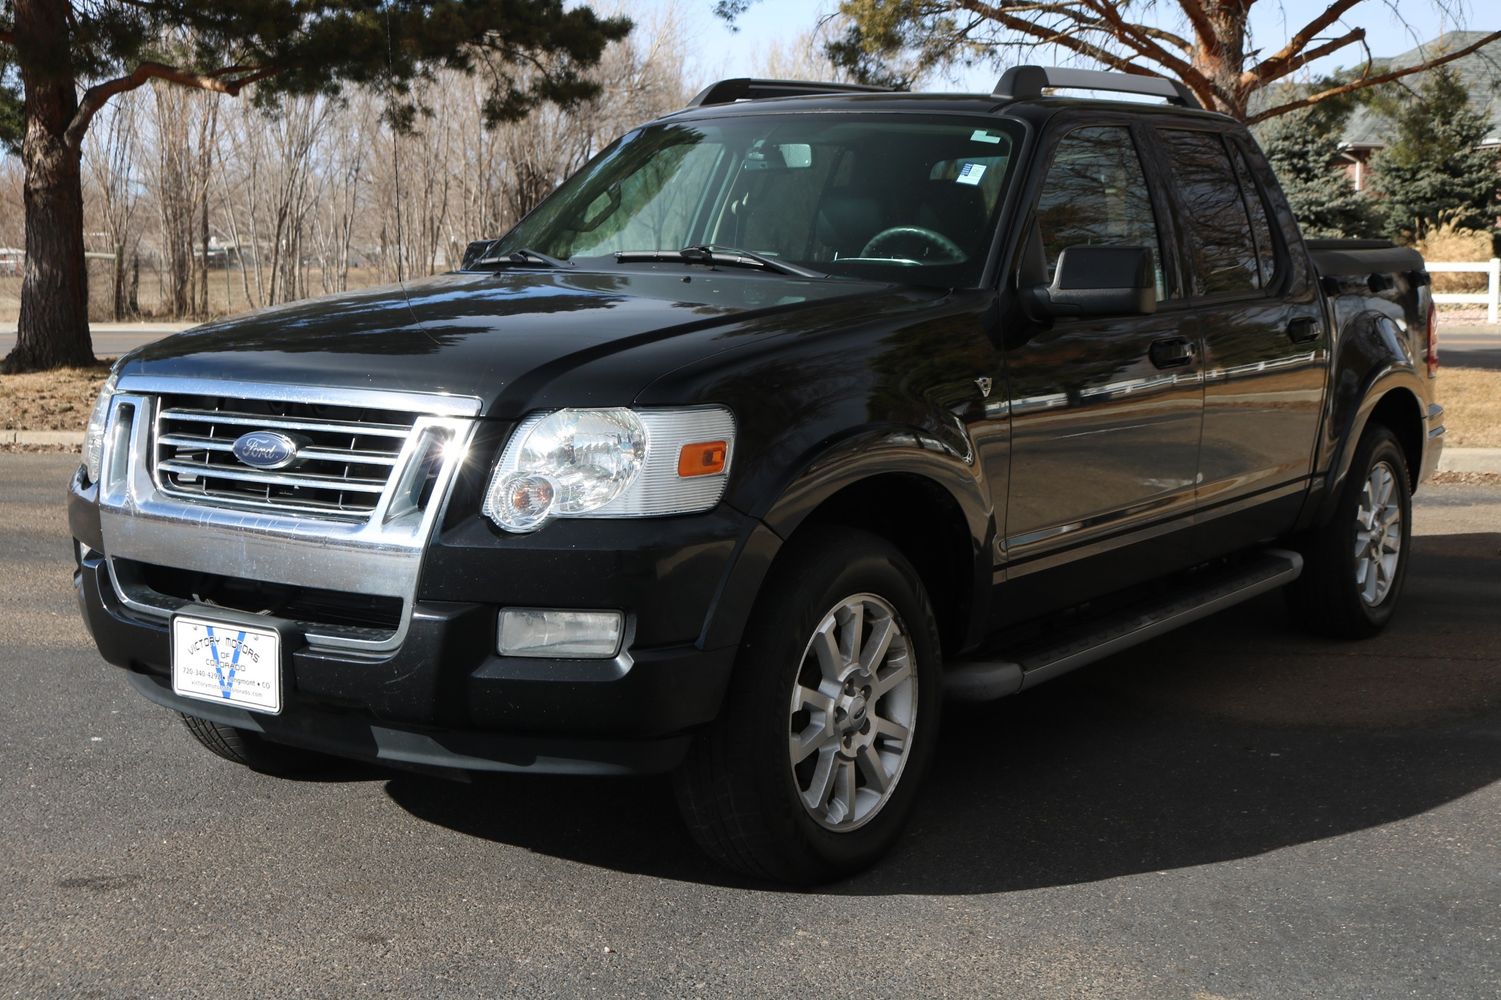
(346, 455)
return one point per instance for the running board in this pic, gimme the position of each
(1211, 591)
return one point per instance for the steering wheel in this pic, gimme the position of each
(950, 250)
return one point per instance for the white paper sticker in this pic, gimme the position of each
(980, 135)
(971, 173)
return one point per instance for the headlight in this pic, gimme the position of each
(93, 435)
(611, 463)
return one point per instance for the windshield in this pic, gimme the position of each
(889, 197)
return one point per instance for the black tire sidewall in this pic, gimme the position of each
(841, 565)
(1377, 446)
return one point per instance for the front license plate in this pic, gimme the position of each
(227, 663)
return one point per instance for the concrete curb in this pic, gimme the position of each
(1482, 460)
(55, 438)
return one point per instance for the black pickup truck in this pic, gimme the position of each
(792, 413)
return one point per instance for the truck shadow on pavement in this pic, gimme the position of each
(1229, 739)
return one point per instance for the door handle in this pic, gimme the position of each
(1302, 330)
(1171, 353)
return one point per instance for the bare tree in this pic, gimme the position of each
(1209, 47)
(112, 195)
(303, 190)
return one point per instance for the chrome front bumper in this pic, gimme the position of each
(379, 556)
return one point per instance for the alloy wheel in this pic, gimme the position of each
(1378, 535)
(852, 712)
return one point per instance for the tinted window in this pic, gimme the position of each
(1096, 193)
(1261, 226)
(1222, 251)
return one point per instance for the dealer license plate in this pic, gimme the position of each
(227, 663)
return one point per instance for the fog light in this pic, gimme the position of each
(535, 632)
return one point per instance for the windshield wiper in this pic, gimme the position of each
(523, 255)
(713, 254)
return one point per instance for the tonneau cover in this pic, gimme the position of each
(1336, 258)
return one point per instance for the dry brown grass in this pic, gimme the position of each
(50, 401)
(1448, 241)
(1471, 398)
(226, 293)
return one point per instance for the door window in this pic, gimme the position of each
(1096, 193)
(1222, 250)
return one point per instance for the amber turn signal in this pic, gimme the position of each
(702, 459)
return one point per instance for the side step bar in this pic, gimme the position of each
(1211, 591)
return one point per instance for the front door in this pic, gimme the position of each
(1105, 412)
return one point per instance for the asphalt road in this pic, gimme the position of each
(110, 339)
(1234, 811)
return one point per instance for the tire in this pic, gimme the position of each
(1352, 577)
(742, 789)
(253, 750)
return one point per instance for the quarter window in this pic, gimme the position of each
(1261, 226)
(1222, 250)
(1096, 194)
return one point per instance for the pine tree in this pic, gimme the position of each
(1303, 147)
(1434, 164)
(62, 60)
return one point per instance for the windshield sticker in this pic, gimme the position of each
(971, 173)
(980, 135)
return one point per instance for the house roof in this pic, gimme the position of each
(1480, 71)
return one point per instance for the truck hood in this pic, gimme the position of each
(502, 337)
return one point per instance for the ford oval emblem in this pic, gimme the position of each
(266, 449)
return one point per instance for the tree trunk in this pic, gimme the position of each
(1222, 55)
(119, 282)
(54, 324)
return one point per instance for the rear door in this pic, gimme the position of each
(1105, 411)
(1262, 329)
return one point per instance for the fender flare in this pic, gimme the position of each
(1378, 386)
(846, 462)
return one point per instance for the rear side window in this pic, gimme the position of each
(1096, 194)
(1222, 250)
(1261, 225)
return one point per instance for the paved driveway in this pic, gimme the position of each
(1234, 811)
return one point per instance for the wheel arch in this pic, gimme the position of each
(1393, 404)
(918, 494)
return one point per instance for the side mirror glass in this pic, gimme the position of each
(1098, 281)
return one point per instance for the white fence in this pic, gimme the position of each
(1490, 298)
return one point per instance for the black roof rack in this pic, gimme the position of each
(747, 89)
(1025, 82)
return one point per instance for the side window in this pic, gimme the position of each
(1096, 193)
(1222, 252)
(1261, 225)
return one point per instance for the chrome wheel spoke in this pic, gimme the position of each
(816, 795)
(891, 729)
(1378, 535)
(852, 711)
(851, 628)
(806, 697)
(895, 674)
(826, 648)
(844, 791)
(881, 634)
(874, 769)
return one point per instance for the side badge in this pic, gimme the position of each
(984, 383)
